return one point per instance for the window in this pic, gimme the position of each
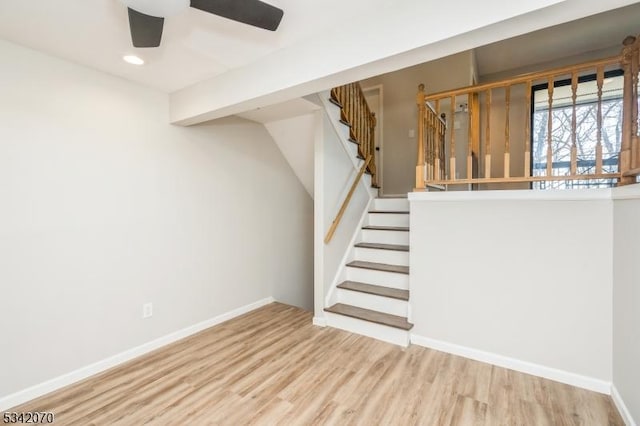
(586, 130)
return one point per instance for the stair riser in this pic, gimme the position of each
(385, 237)
(370, 329)
(391, 204)
(371, 301)
(390, 257)
(388, 219)
(385, 279)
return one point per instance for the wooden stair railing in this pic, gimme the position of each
(437, 163)
(431, 141)
(355, 112)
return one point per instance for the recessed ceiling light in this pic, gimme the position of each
(133, 59)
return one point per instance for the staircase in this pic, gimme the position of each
(373, 295)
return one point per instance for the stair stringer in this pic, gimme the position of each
(331, 257)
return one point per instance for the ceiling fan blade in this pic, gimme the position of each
(146, 30)
(252, 12)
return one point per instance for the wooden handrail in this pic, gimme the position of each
(523, 78)
(345, 203)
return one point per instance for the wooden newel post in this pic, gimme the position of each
(420, 177)
(628, 118)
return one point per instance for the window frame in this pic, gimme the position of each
(618, 72)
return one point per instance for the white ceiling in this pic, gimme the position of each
(195, 46)
(590, 34)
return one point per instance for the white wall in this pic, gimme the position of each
(105, 206)
(294, 136)
(626, 298)
(401, 113)
(522, 274)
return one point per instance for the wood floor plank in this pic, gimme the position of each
(272, 366)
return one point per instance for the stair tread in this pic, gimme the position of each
(386, 228)
(380, 246)
(335, 101)
(371, 316)
(378, 290)
(379, 266)
(388, 211)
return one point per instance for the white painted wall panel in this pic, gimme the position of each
(105, 206)
(530, 280)
(626, 300)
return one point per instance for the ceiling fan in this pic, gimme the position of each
(146, 17)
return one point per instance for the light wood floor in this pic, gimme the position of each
(271, 366)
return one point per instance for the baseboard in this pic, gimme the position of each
(557, 375)
(38, 390)
(320, 321)
(621, 406)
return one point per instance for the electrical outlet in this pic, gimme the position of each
(147, 310)
(412, 133)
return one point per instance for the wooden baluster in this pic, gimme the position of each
(550, 128)
(507, 148)
(360, 112)
(364, 120)
(470, 135)
(350, 102)
(600, 83)
(429, 145)
(574, 135)
(354, 115)
(625, 162)
(474, 123)
(487, 142)
(420, 177)
(432, 142)
(452, 140)
(442, 142)
(634, 112)
(372, 148)
(437, 172)
(527, 130)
